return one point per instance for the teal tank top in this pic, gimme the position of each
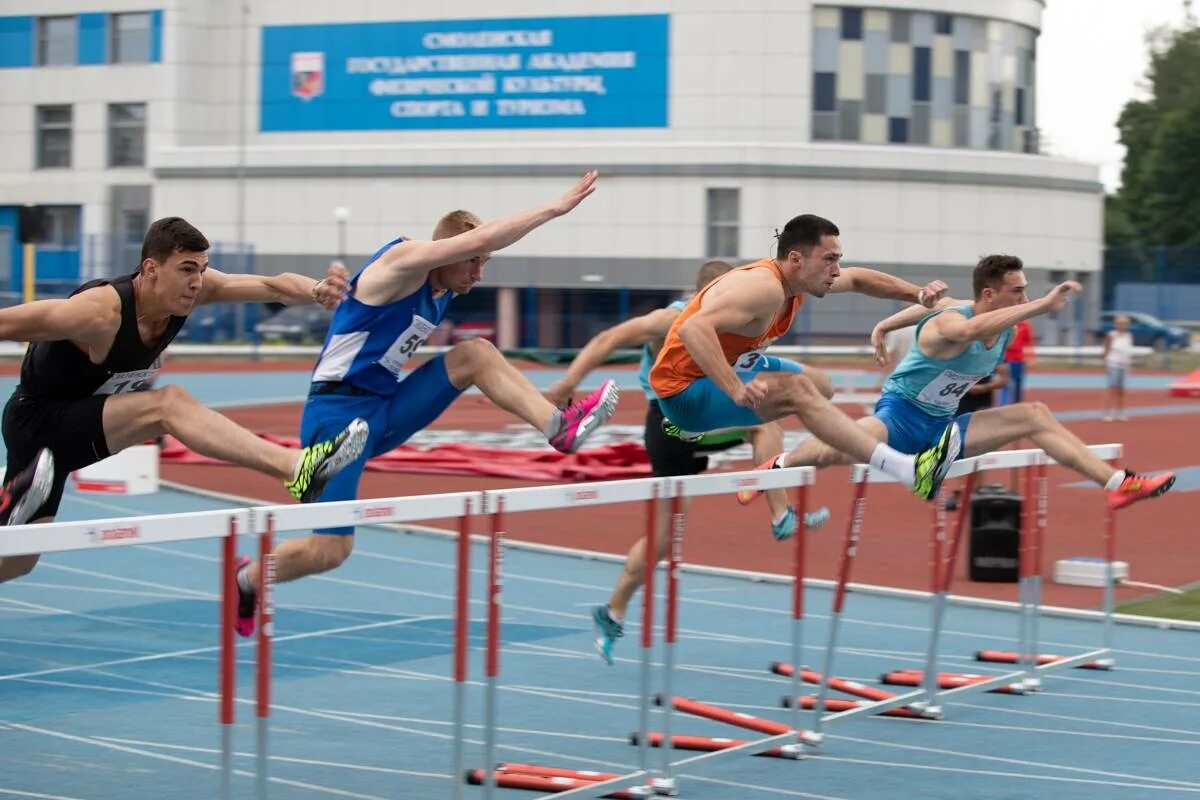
(648, 358)
(936, 385)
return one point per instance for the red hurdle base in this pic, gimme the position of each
(703, 744)
(737, 718)
(808, 702)
(1007, 657)
(838, 684)
(946, 680)
(539, 783)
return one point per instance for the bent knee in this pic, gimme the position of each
(820, 380)
(1039, 412)
(799, 392)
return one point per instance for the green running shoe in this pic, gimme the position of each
(933, 464)
(323, 460)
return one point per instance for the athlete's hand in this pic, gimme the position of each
(1060, 295)
(560, 394)
(930, 293)
(751, 394)
(879, 342)
(332, 289)
(585, 186)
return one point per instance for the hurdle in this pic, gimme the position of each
(62, 537)
(645, 780)
(932, 688)
(267, 521)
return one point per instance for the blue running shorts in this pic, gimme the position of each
(419, 400)
(702, 407)
(910, 428)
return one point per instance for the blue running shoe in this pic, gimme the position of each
(608, 630)
(785, 526)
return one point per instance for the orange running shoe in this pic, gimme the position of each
(1139, 487)
(748, 496)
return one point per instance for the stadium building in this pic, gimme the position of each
(319, 130)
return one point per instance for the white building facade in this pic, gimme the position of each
(910, 123)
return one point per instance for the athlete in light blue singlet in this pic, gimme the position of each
(957, 346)
(396, 300)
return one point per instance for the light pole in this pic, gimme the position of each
(341, 215)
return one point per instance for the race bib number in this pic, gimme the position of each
(405, 346)
(947, 389)
(138, 380)
(746, 362)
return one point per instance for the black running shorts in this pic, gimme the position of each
(673, 457)
(72, 429)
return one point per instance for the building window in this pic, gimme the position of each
(56, 41)
(130, 38)
(53, 137)
(127, 135)
(60, 226)
(723, 213)
(922, 78)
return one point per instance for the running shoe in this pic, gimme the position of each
(247, 604)
(748, 496)
(933, 464)
(323, 460)
(575, 423)
(676, 432)
(21, 497)
(1139, 487)
(785, 527)
(608, 630)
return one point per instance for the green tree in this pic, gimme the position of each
(1159, 198)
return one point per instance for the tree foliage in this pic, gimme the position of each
(1159, 198)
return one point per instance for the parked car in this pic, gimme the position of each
(1147, 329)
(296, 324)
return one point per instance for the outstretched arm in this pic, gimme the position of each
(417, 257)
(905, 317)
(287, 288)
(957, 328)
(631, 333)
(874, 283)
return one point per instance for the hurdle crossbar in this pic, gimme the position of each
(928, 699)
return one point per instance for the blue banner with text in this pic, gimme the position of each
(556, 72)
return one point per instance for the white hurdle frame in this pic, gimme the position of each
(927, 699)
(224, 524)
(645, 780)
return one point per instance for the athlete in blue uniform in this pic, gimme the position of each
(395, 302)
(958, 345)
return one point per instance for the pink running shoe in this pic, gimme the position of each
(576, 422)
(247, 604)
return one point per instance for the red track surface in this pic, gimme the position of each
(1154, 537)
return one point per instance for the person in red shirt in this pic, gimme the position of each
(1018, 354)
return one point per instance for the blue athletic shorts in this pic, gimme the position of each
(910, 428)
(420, 399)
(702, 407)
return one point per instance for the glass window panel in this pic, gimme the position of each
(850, 120)
(130, 38)
(56, 41)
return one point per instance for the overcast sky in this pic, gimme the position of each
(1091, 61)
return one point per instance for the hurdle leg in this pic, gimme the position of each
(229, 599)
(266, 629)
(1032, 681)
(797, 750)
(945, 576)
(492, 667)
(666, 784)
(853, 530)
(462, 632)
(1110, 586)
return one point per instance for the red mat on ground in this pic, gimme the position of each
(1187, 387)
(610, 462)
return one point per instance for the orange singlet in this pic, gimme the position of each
(675, 368)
